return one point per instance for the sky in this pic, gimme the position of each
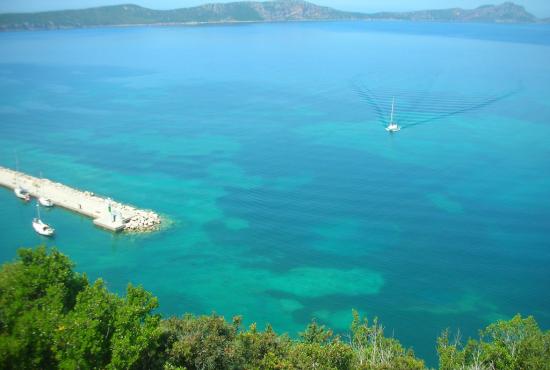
(540, 8)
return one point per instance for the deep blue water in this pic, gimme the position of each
(264, 146)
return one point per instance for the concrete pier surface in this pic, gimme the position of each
(106, 213)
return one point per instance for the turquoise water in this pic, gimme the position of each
(264, 145)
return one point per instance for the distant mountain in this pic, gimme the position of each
(250, 11)
(504, 13)
(281, 10)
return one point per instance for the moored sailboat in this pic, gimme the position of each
(22, 193)
(19, 191)
(44, 201)
(40, 226)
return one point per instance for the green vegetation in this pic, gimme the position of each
(515, 344)
(52, 317)
(248, 11)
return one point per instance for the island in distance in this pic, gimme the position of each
(268, 11)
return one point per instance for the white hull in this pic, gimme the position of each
(41, 228)
(45, 202)
(22, 194)
(393, 128)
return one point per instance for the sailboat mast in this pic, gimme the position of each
(16, 166)
(392, 106)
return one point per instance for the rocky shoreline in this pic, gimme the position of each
(142, 221)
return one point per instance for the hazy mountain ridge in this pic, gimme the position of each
(248, 11)
(505, 13)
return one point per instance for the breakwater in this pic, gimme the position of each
(105, 212)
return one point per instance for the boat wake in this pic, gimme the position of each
(423, 107)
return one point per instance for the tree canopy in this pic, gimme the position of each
(52, 317)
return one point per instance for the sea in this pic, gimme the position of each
(264, 148)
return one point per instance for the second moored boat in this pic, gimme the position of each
(45, 202)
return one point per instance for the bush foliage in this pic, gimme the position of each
(52, 317)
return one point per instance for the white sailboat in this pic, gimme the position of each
(39, 226)
(22, 193)
(19, 191)
(392, 126)
(45, 202)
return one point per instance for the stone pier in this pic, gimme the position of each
(105, 212)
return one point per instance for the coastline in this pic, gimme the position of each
(181, 24)
(235, 23)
